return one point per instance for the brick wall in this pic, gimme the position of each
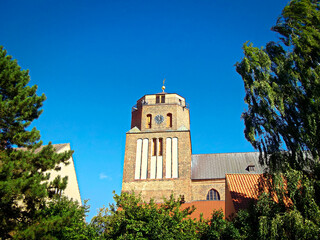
(157, 188)
(200, 188)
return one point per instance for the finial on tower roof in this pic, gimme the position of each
(163, 87)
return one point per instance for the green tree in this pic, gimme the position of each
(287, 210)
(219, 228)
(61, 219)
(132, 218)
(282, 84)
(245, 222)
(25, 192)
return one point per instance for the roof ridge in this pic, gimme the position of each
(221, 153)
(56, 144)
(244, 173)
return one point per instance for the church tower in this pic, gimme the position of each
(157, 159)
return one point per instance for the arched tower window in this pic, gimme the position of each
(213, 195)
(149, 121)
(169, 120)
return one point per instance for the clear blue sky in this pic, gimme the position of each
(94, 59)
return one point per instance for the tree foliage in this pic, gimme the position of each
(25, 192)
(61, 219)
(219, 229)
(132, 218)
(287, 210)
(282, 84)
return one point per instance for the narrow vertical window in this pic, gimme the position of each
(163, 99)
(149, 121)
(159, 159)
(175, 161)
(168, 158)
(160, 146)
(169, 120)
(144, 160)
(138, 159)
(154, 147)
(153, 163)
(157, 99)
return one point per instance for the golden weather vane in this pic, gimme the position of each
(163, 87)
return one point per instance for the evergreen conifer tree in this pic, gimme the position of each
(24, 162)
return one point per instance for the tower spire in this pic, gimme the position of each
(163, 87)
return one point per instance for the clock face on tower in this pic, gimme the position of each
(159, 119)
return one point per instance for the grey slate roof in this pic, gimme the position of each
(213, 166)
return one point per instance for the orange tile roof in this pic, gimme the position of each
(204, 207)
(243, 189)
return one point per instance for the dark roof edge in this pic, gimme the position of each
(158, 131)
(159, 94)
(221, 153)
(204, 179)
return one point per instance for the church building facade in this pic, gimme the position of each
(158, 155)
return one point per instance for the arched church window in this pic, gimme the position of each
(149, 121)
(169, 120)
(213, 195)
